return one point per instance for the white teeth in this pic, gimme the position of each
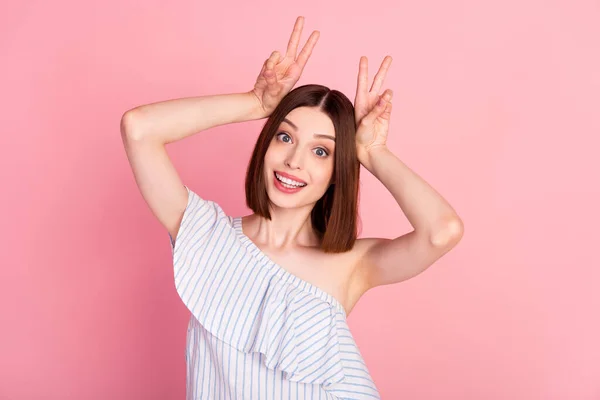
(289, 182)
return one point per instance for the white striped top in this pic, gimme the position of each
(256, 330)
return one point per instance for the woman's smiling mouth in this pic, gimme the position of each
(286, 184)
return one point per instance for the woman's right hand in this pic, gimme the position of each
(278, 76)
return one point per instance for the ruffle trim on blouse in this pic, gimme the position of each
(247, 301)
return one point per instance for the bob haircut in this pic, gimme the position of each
(334, 216)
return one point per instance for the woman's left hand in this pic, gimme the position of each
(372, 111)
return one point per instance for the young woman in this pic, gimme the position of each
(270, 292)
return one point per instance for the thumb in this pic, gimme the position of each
(375, 112)
(270, 75)
(387, 112)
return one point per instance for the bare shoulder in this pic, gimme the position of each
(355, 259)
(352, 275)
(334, 273)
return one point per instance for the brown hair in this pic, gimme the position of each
(334, 216)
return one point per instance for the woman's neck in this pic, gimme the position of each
(287, 228)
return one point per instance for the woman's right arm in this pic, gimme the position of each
(147, 129)
(172, 120)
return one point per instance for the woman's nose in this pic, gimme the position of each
(294, 160)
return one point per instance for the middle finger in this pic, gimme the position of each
(292, 48)
(307, 49)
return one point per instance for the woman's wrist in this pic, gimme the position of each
(258, 111)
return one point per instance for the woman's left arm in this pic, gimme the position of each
(437, 226)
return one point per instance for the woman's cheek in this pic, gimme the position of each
(325, 176)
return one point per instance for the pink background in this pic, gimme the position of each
(496, 105)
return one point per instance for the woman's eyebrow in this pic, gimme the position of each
(317, 135)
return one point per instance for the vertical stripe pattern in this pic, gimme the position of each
(256, 330)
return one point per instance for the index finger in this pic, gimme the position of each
(380, 76)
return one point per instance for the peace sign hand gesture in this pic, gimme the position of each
(372, 111)
(279, 75)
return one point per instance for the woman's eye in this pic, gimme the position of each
(321, 152)
(284, 137)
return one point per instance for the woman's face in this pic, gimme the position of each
(300, 159)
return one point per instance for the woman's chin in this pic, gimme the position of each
(285, 201)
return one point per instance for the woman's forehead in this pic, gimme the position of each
(310, 121)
